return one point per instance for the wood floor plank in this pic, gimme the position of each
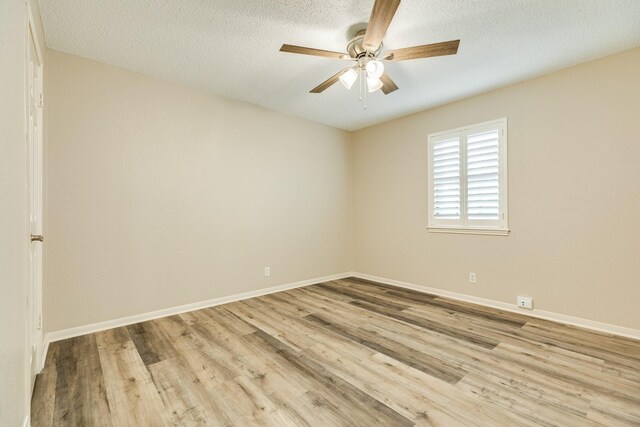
(355, 365)
(512, 336)
(410, 357)
(416, 300)
(441, 328)
(607, 413)
(542, 414)
(176, 390)
(384, 287)
(208, 362)
(264, 320)
(420, 299)
(145, 342)
(404, 296)
(361, 296)
(479, 311)
(467, 409)
(297, 395)
(132, 397)
(316, 290)
(594, 382)
(594, 345)
(576, 333)
(463, 321)
(221, 316)
(343, 353)
(282, 304)
(81, 393)
(620, 371)
(341, 393)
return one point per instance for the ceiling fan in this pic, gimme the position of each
(365, 48)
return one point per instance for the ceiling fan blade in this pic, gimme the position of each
(388, 85)
(330, 81)
(424, 51)
(381, 16)
(314, 52)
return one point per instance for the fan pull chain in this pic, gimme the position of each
(363, 89)
(360, 85)
(365, 95)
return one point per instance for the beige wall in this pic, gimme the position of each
(161, 195)
(14, 359)
(574, 196)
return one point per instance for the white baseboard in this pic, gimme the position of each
(129, 320)
(43, 355)
(541, 314)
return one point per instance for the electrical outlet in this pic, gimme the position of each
(525, 302)
(472, 277)
(267, 271)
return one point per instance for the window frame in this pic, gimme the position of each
(463, 225)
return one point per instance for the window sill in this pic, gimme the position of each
(481, 231)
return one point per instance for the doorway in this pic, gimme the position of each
(34, 86)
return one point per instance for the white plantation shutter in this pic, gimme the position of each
(483, 175)
(446, 179)
(467, 173)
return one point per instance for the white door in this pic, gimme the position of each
(35, 172)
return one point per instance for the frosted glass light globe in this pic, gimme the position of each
(373, 84)
(375, 69)
(349, 78)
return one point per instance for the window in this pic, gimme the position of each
(468, 179)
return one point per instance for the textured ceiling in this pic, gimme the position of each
(230, 47)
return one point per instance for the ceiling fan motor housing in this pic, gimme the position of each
(356, 50)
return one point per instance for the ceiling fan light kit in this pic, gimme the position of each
(349, 78)
(365, 48)
(373, 84)
(374, 69)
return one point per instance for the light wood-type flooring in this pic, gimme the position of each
(342, 353)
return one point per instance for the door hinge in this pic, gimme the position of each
(40, 322)
(41, 100)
